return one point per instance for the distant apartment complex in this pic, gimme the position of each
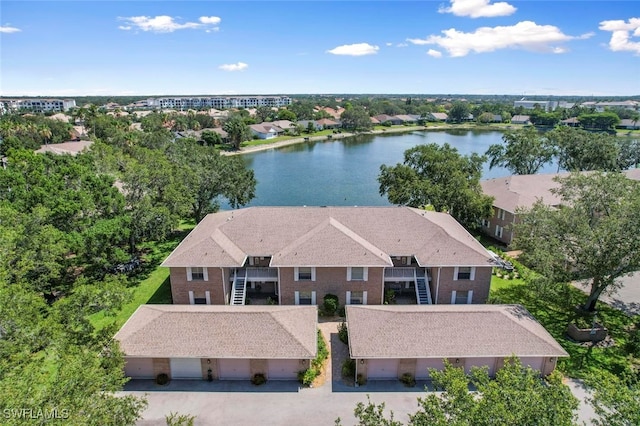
(219, 102)
(37, 104)
(545, 105)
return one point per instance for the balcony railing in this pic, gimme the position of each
(399, 274)
(262, 274)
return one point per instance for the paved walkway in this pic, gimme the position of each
(626, 298)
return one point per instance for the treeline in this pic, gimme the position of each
(66, 223)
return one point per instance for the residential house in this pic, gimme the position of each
(335, 113)
(521, 191)
(384, 118)
(571, 122)
(326, 123)
(437, 116)
(385, 347)
(520, 119)
(219, 342)
(72, 148)
(297, 255)
(407, 118)
(629, 124)
(265, 130)
(305, 124)
(283, 124)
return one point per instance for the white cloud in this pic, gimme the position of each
(621, 37)
(402, 45)
(168, 24)
(9, 29)
(358, 49)
(388, 44)
(234, 67)
(525, 35)
(434, 53)
(478, 8)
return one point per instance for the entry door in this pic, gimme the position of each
(234, 369)
(382, 369)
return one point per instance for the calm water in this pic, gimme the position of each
(344, 172)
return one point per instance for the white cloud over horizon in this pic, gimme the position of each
(478, 8)
(358, 49)
(240, 66)
(622, 33)
(526, 35)
(7, 29)
(168, 24)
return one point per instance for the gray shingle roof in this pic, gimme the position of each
(444, 331)
(217, 331)
(328, 236)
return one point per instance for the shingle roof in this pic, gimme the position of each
(217, 331)
(442, 331)
(72, 148)
(328, 236)
(523, 191)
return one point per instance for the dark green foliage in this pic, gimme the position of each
(306, 377)
(408, 380)
(176, 419)
(524, 152)
(162, 379)
(356, 119)
(330, 304)
(348, 368)
(258, 379)
(343, 333)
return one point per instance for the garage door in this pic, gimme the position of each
(480, 362)
(139, 368)
(423, 366)
(283, 369)
(533, 362)
(234, 369)
(382, 369)
(186, 368)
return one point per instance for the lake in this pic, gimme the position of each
(344, 172)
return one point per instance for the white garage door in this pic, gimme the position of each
(533, 362)
(186, 368)
(139, 368)
(423, 366)
(382, 369)
(480, 362)
(283, 369)
(234, 369)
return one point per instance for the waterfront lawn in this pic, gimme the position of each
(556, 311)
(256, 142)
(151, 285)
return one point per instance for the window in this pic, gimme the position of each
(461, 297)
(501, 214)
(197, 274)
(305, 297)
(464, 273)
(356, 298)
(305, 273)
(485, 223)
(357, 273)
(498, 232)
(199, 301)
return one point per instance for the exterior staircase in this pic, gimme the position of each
(239, 288)
(423, 295)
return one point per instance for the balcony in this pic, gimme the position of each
(262, 274)
(399, 274)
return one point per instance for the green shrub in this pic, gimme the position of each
(330, 305)
(348, 368)
(633, 344)
(271, 301)
(389, 297)
(176, 419)
(258, 379)
(408, 380)
(341, 311)
(360, 380)
(162, 379)
(323, 353)
(343, 333)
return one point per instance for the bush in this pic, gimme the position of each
(271, 301)
(633, 344)
(389, 297)
(176, 419)
(343, 333)
(306, 377)
(330, 305)
(360, 380)
(323, 353)
(348, 368)
(341, 312)
(408, 380)
(258, 379)
(162, 379)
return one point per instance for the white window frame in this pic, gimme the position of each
(486, 223)
(191, 298)
(296, 273)
(472, 275)
(364, 297)
(205, 274)
(469, 297)
(498, 232)
(296, 296)
(502, 214)
(365, 273)
(207, 295)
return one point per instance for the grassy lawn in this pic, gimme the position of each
(256, 142)
(556, 311)
(151, 285)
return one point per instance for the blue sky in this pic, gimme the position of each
(75, 48)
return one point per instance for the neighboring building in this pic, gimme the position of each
(283, 124)
(571, 122)
(325, 123)
(220, 342)
(391, 340)
(265, 130)
(603, 106)
(305, 124)
(219, 102)
(629, 124)
(71, 148)
(384, 118)
(437, 116)
(407, 118)
(521, 191)
(297, 255)
(545, 105)
(38, 105)
(520, 119)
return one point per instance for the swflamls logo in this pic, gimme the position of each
(35, 413)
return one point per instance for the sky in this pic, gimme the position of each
(528, 48)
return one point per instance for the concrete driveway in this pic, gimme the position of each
(626, 298)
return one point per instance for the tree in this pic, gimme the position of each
(356, 119)
(285, 114)
(593, 236)
(211, 138)
(517, 396)
(264, 113)
(485, 117)
(579, 150)
(237, 130)
(601, 120)
(615, 402)
(524, 152)
(459, 111)
(440, 177)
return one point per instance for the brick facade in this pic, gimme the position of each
(443, 286)
(180, 286)
(506, 224)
